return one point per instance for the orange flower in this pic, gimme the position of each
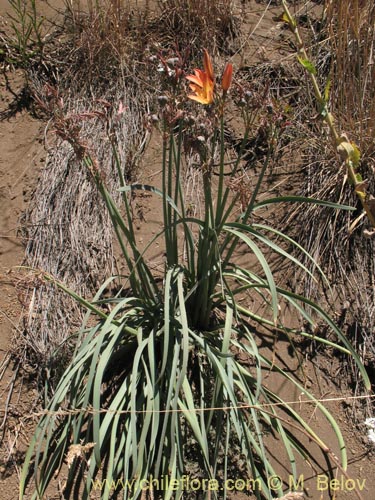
(202, 82)
(227, 77)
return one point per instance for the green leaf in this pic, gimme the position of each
(327, 89)
(355, 155)
(266, 268)
(301, 199)
(284, 18)
(307, 64)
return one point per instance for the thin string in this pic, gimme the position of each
(77, 411)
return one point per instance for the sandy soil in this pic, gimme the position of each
(22, 154)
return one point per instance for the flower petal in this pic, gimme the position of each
(202, 82)
(207, 64)
(200, 99)
(195, 80)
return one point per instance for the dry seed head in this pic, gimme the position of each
(162, 100)
(189, 120)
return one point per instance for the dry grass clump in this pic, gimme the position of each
(68, 230)
(103, 39)
(199, 23)
(350, 26)
(113, 37)
(339, 240)
(90, 94)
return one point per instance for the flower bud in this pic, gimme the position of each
(227, 77)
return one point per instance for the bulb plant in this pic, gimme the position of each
(165, 367)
